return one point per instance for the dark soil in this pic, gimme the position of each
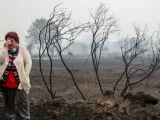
(69, 106)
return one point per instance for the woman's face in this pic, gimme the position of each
(13, 43)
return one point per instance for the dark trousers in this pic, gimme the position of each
(16, 104)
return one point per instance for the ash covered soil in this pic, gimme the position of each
(68, 103)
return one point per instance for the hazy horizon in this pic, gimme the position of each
(18, 15)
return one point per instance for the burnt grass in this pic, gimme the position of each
(68, 105)
(60, 110)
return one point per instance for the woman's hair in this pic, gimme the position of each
(13, 35)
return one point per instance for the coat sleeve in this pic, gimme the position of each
(27, 62)
(3, 54)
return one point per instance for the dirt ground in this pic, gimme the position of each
(42, 108)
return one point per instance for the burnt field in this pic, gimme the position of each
(110, 70)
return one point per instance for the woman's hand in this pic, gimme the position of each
(7, 43)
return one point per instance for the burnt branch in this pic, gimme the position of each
(133, 49)
(60, 29)
(103, 24)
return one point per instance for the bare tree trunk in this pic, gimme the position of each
(62, 31)
(102, 26)
(115, 86)
(72, 76)
(133, 49)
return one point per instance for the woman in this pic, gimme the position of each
(15, 66)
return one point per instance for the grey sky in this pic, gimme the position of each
(17, 15)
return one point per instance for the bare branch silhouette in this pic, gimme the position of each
(64, 31)
(102, 26)
(133, 49)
